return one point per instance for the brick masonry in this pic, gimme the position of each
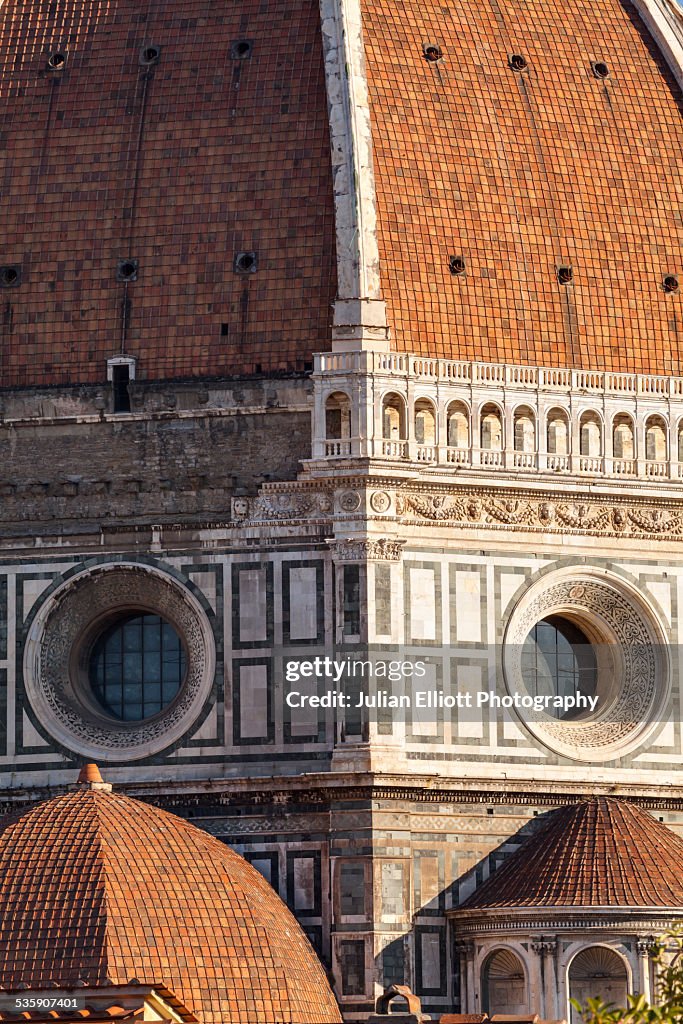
(180, 165)
(520, 173)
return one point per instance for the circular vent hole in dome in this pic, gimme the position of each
(456, 265)
(600, 69)
(241, 49)
(518, 62)
(245, 262)
(127, 270)
(10, 276)
(150, 55)
(432, 52)
(565, 275)
(670, 283)
(56, 61)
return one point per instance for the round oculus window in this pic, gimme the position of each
(137, 667)
(588, 646)
(120, 661)
(558, 660)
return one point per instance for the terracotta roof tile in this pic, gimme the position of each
(600, 853)
(97, 889)
(520, 173)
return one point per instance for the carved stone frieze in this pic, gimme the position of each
(374, 548)
(544, 514)
(290, 504)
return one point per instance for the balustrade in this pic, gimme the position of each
(525, 419)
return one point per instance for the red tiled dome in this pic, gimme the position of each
(599, 853)
(523, 172)
(97, 889)
(179, 165)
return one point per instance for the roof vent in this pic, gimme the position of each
(241, 49)
(245, 263)
(127, 270)
(456, 264)
(149, 55)
(10, 276)
(56, 61)
(600, 69)
(670, 283)
(432, 52)
(517, 62)
(565, 275)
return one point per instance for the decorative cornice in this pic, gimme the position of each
(535, 919)
(461, 507)
(214, 798)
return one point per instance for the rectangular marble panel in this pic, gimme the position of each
(253, 605)
(266, 865)
(469, 679)
(303, 604)
(467, 607)
(352, 966)
(422, 604)
(254, 704)
(351, 882)
(428, 869)
(392, 889)
(425, 720)
(383, 600)
(394, 962)
(304, 882)
(430, 957)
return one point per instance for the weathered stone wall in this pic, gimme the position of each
(182, 451)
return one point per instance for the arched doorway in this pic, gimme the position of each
(558, 432)
(525, 430)
(491, 428)
(458, 425)
(503, 984)
(597, 972)
(425, 422)
(338, 416)
(393, 418)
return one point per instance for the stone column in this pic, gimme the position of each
(643, 982)
(465, 950)
(546, 949)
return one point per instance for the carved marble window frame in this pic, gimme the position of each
(56, 650)
(609, 609)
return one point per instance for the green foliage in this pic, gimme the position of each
(668, 1005)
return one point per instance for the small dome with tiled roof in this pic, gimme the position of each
(98, 889)
(602, 852)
